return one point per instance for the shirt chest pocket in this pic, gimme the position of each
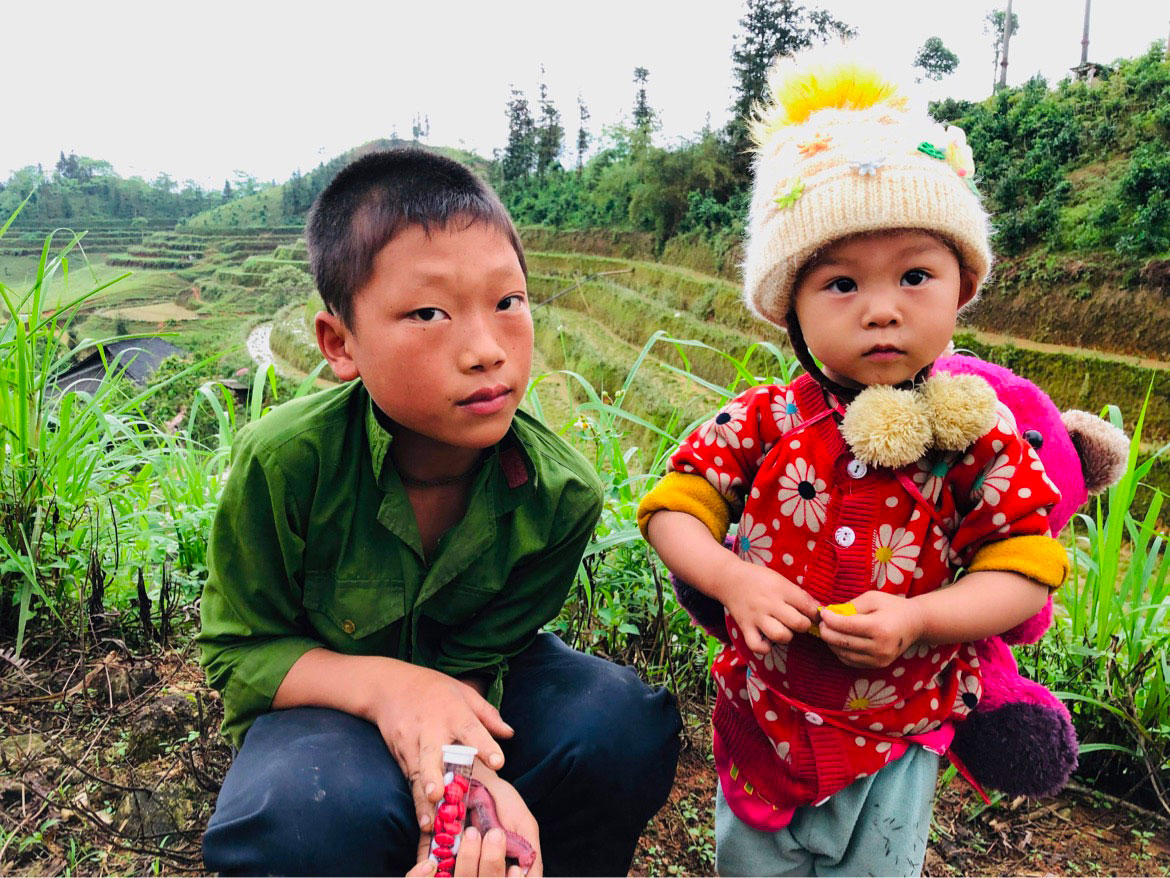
(347, 610)
(459, 601)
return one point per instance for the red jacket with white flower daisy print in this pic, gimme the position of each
(797, 725)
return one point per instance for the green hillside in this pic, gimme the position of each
(287, 203)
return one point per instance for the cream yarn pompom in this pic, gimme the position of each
(887, 427)
(962, 408)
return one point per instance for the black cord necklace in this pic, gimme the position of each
(410, 482)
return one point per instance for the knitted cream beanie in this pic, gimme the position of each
(838, 153)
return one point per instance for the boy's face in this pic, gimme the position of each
(441, 334)
(876, 309)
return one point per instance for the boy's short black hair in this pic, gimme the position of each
(374, 198)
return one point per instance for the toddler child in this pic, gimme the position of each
(385, 554)
(860, 490)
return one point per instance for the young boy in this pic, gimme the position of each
(385, 554)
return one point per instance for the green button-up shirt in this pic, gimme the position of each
(315, 544)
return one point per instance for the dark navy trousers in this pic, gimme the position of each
(316, 792)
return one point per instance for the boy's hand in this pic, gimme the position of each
(418, 710)
(883, 628)
(513, 814)
(766, 606)
(477, 856)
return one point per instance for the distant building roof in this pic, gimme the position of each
(139, 357)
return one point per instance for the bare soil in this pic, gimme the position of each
(110, 765)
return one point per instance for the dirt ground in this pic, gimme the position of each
(111, 767)
(1076, 833)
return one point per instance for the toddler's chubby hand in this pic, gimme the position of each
(767, 607)
(418, 710)
(882, 628)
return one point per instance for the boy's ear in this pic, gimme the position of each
(968, 284)
(333, 339)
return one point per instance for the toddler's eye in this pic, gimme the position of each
(842, 285)
(915, 277)
(428, 315)
(513, 302)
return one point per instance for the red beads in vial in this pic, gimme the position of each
(452, 809)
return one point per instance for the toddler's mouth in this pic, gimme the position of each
(883, 352)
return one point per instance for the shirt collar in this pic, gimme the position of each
(515, 464)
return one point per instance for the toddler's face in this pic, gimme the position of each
(876, 309)
(442, 334)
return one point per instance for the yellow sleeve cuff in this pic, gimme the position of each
(1040, 558)
(694, 495)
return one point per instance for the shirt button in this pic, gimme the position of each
(857, 469)
(348, 627)
(844, 537)
(814, 719)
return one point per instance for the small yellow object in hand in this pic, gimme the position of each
(846, 609)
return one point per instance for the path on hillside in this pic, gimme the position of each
(260, 347)
(983, 336)
(996, 339)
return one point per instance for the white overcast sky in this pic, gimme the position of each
(200, 90)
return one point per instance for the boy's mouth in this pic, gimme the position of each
(486, 400)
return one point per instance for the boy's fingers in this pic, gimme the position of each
(423, 808)
(489, 716)
(408, 759)
(492, 853)
(473, 734)
(467, 861)
(426, 783)
(423, 868)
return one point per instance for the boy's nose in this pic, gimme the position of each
(481, 351)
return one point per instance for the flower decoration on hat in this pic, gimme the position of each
(959, 155)
(817, 143)
(869, 167)
(788, 192)
(931, 150)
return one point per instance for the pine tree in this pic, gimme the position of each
(520, 153)
(420, 128)
(550, 135)
(773, 29)
(644, 116)
(227, 191)
(770, 29)
(582, 133)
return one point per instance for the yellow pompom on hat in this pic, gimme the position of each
(839, 152)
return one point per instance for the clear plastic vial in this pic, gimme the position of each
(452, 808)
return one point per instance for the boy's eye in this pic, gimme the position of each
(915, 277)
(428, 315)
(513, 302)
(842, 285)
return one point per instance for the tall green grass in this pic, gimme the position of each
(93, 495)
(623, 606)
(1109, 656)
